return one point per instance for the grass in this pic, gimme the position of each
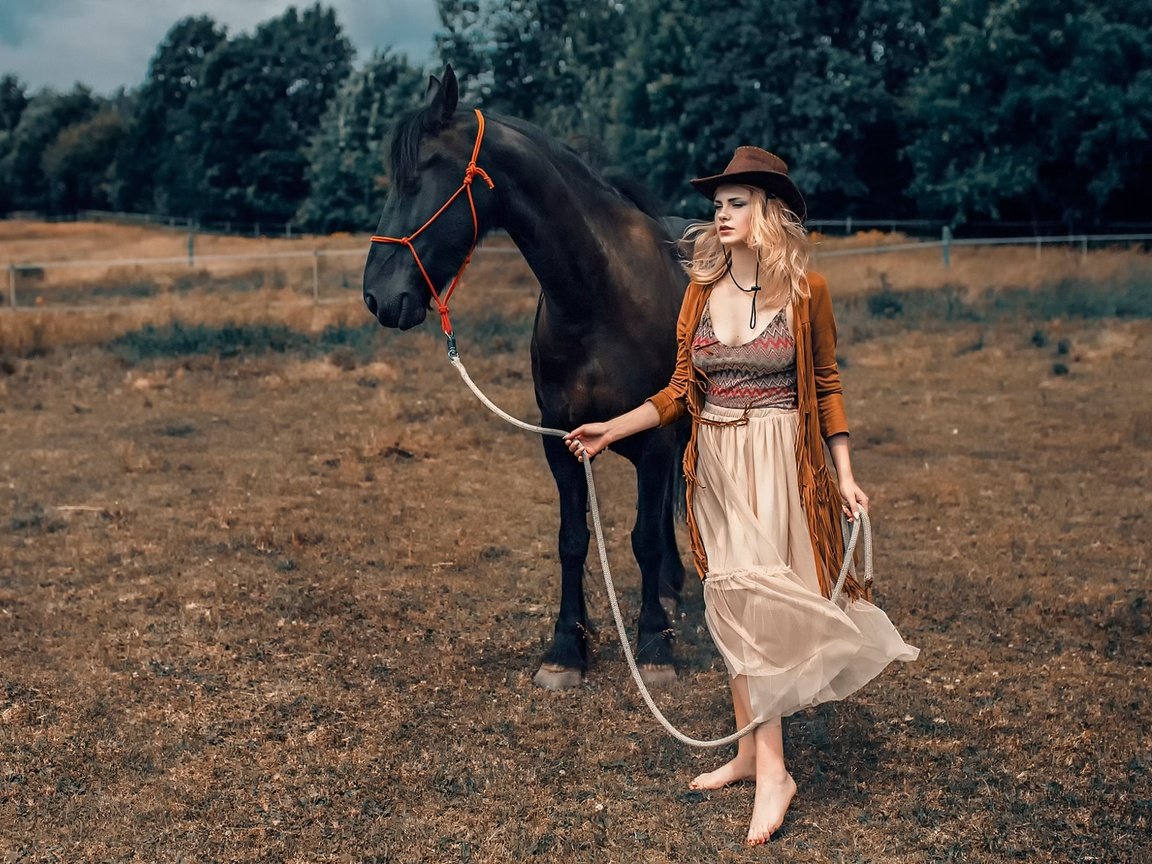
(284, 602)
(269, 608)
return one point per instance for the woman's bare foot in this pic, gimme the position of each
(730, 772)
(772, 800)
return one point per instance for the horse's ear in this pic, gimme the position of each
(443, 97)
(433, 86)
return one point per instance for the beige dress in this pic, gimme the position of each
(763, 604)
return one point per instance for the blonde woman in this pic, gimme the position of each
(756, 370)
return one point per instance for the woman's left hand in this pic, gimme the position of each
(854, 498)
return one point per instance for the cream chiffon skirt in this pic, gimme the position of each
(763, 604)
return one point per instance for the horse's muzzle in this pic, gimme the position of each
(402, 312)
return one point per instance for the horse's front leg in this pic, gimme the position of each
(650, 545)
(566, 660)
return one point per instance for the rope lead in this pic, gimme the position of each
(860, 525)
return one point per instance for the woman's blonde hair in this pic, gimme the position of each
(775, 234)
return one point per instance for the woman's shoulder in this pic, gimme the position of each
(695, 291)
(818, 296)
(816, 282)
(691, 306)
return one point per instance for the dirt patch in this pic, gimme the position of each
(287, 608)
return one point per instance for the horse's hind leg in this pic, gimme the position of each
(566, 660)
(650, 544)
(671, 567)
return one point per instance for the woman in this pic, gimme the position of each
(756, 369)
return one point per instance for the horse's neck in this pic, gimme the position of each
(567, 253)
(564, 232)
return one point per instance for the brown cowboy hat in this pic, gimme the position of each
(752, 166)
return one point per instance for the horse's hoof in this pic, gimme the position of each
(553, 677)
(657, 674)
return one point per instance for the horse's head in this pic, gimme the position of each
(431, 151)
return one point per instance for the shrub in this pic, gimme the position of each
(178, 339)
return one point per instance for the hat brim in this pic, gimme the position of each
(775, 184)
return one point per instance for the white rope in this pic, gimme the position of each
(850, 546)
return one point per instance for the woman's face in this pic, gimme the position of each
(733, 214)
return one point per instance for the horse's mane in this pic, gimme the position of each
(636, 191)
(405, 148)
(412, 127)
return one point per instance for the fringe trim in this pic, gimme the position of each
(818, 492)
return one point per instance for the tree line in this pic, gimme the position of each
(949, 110)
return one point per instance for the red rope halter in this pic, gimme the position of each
(466, 186)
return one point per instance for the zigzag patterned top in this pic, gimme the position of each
(757, 374)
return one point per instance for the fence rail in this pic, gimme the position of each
(277, 229)
(1081, 240)
(35, 270)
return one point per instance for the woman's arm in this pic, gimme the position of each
(830, 397)
(592, 438)
(854, 498)
(671, 402)
(826, 372)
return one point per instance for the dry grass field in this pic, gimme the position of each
(282, 601)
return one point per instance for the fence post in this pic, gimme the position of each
(191, 248)
(316, 277)
(946, 246)
(1084, 247)
(12, 285)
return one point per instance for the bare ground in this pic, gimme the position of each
(276, 608)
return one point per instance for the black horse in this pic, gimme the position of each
(604, 337)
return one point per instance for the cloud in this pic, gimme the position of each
(106, 44)
(406, 26)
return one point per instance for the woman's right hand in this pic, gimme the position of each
(589, 439)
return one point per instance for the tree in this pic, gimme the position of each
(891, 39)
(346, 168)
(77, 165)
(464, 42)
(547, 61)
(794, 84)
(1035, 110)
(46, 115)
(154, 169)
(651, 87)
(13, 100)
(262, 101)
(811, 82)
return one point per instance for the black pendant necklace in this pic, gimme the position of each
(753, 290)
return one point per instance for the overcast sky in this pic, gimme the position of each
(107, 44)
